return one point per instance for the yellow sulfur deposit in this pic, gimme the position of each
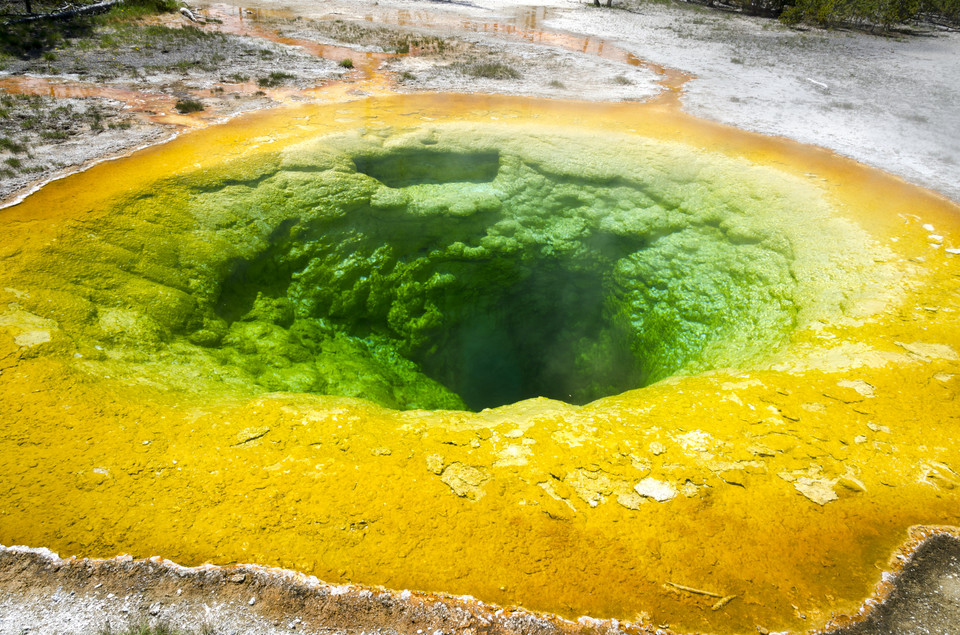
(158, 394)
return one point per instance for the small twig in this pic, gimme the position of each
(722, 602)
(690, 589)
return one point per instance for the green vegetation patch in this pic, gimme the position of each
(35, 38)
(871, 14)
(30, 121)
(185, 106)
(274, 79)
(866, 13)
(459, 267)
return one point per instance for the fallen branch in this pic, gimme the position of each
(690, 589)
(67, 14)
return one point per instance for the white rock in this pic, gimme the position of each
(820, 491)
(660, 491)
(929, 352)
(862, 387)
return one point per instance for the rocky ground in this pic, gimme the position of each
(885, 101)
(926, 596)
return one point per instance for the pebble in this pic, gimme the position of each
(860, 386)
(660, 491)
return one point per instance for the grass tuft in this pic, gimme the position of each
(185, 106)
(273, 80)
(6, 143)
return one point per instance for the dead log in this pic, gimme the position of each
(70, 13)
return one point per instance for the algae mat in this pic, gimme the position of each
(351, 340)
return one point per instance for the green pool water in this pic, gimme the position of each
(458, 267)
